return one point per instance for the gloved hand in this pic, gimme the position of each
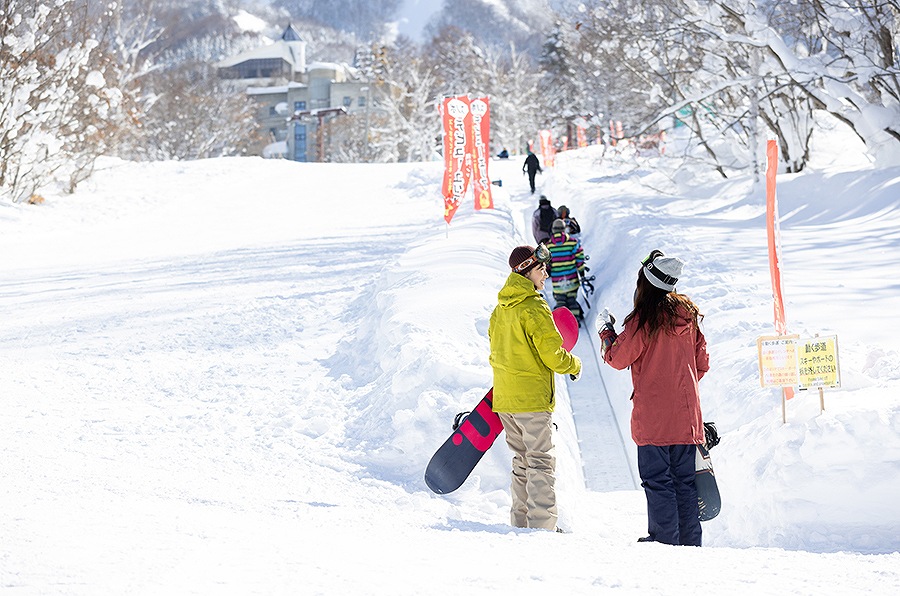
(576, 376)
(605, 320)
(606, 330)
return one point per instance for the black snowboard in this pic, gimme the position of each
(707, 489)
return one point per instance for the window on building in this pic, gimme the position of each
(362, 101)
(273, 111)
(299, 106)
(348, 101)
(299, 142)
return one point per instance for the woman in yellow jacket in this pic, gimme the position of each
(526, 350)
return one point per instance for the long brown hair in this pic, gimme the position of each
(658, 309)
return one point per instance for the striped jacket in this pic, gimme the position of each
(566, 261)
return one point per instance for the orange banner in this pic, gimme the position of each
(481, 133)
(774, 237)
(457, 155)
(616, 133)
(547, 148)
(582, 137)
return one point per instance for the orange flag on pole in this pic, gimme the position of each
(773, 232)
(774, 236)
(457, 155)
(481, 134)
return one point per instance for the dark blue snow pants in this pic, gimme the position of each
(667, 475)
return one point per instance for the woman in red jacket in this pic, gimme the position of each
(663, 345)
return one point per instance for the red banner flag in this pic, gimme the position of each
(481, 128)
(457, 156)
(581, 133)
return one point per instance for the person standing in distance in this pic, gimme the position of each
(663, 345)
(533, 166)
(526, 350)
(542, 220)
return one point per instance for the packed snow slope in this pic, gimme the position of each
(227, 376)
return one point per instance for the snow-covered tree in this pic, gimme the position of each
(56, 108)
(457, 62)
(732, 71)
(621, 46)
(406, 127)
(180, 109)
(561, 93)
(192, 114)
(517, 107)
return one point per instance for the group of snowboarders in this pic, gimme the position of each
(662, 344)
(560, 233)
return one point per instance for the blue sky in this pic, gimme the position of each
(414, 14)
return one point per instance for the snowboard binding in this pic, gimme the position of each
(712, 435)
(460, 418)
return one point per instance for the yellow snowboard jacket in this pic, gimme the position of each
(526, 349)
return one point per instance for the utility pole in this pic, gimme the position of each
(366, 153)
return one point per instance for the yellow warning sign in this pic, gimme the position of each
(817, 362)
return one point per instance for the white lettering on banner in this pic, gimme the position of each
(458, 110)
(459, 152)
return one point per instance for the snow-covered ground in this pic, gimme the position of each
(227, 376)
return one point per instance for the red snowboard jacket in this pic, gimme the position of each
(665, 371)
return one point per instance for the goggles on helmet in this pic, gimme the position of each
(663, 277)
(653, 254)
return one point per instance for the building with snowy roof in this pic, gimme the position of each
(294, 100)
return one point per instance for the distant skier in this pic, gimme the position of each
(542, 220)
(573, 229)
(663, 345)
(532, 166)
(566, 266)
(526, 349)
(503, 154)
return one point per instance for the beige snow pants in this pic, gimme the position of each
(530, 437)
